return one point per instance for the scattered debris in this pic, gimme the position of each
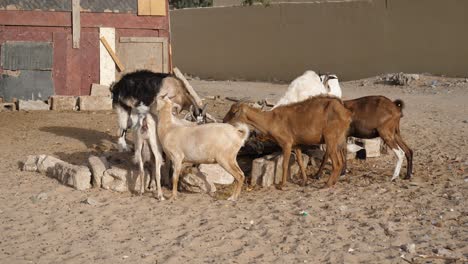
(270, 102)
(303, 213)
(90, 201)
(400, 78)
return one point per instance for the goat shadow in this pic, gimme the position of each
(88, 136)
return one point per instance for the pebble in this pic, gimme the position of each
(410, 248)
(90, 201)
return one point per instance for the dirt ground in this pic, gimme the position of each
(365, 219)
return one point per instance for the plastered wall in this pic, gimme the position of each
(354, 39)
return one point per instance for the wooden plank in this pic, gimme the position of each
(142, 39)
(76, 23)
(111, 52)
(158, 7)
(144, 7)
(189, 87)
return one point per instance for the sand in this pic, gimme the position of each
(364, 219)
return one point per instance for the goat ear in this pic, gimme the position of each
(197, 110)
(204, 110)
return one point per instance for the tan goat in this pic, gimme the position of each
(203, 144)
(317, 120)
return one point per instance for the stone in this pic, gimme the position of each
(7, 107)
(270, 102)
(409, 248)
(372, 147)
(94, 103)
(401, 78)
(98, 166)
(214, 173)
(32, 105)
(100, 90)
(192, 180)
(90, 201)
(123, 180)
(257, 171)
(46, 163)
(268, 176)
(78, 177)
(31, 163)
(294, 168)
(63, 103)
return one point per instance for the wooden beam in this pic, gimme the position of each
(189, 87)
(112, 53)
(76, 25)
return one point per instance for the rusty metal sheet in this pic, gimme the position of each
(88, 20)
(89, 60)
(27, 85)
(23, 55)
(116, 6)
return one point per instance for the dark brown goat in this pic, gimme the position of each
(378, 116)
(316, 120)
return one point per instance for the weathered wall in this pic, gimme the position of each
(353, 39)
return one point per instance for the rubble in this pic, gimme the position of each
(214, 173)
(192, 180)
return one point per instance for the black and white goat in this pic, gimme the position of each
(140, 89)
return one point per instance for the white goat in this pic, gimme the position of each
(202, 144)
(307, 85)
(145, 134)
(310, 84)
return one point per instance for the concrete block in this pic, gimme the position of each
(268, 177)
(257, 171)
(214, 173)
(294, 168)
(100, 90)
(7, 107)
(372, 147)
(98, 166)
(63, 103)
(192, 180)
(78, 177)
(94, 103)
(115, 179)
(30, 105)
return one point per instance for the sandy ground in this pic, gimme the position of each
(365, 219)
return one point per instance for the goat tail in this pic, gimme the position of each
(244, 130)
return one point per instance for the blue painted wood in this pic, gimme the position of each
(29, 85)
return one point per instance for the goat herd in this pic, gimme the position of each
(311, 112)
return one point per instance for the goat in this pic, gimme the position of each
(141, 88)
(145, 134)
(307, 85)
(378, 116)
(207, 143)
(317, 120)
(331, 83)
(310, 84)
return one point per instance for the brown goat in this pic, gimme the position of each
(316, 120)
(378, 116)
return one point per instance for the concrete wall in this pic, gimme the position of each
(353, 39)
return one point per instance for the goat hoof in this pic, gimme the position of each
(161, 198)
(232, 199)
(281, 187)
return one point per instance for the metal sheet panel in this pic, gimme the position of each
(19, 55)
(28, 85)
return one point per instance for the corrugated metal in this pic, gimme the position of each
(118, 6)
(19, 55)
(28, 85)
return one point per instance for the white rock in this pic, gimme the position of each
(46, 163)
(98, 166)
(216, 174)
(196, 182)
(31, 163)
(30, 105)
(78, 177)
